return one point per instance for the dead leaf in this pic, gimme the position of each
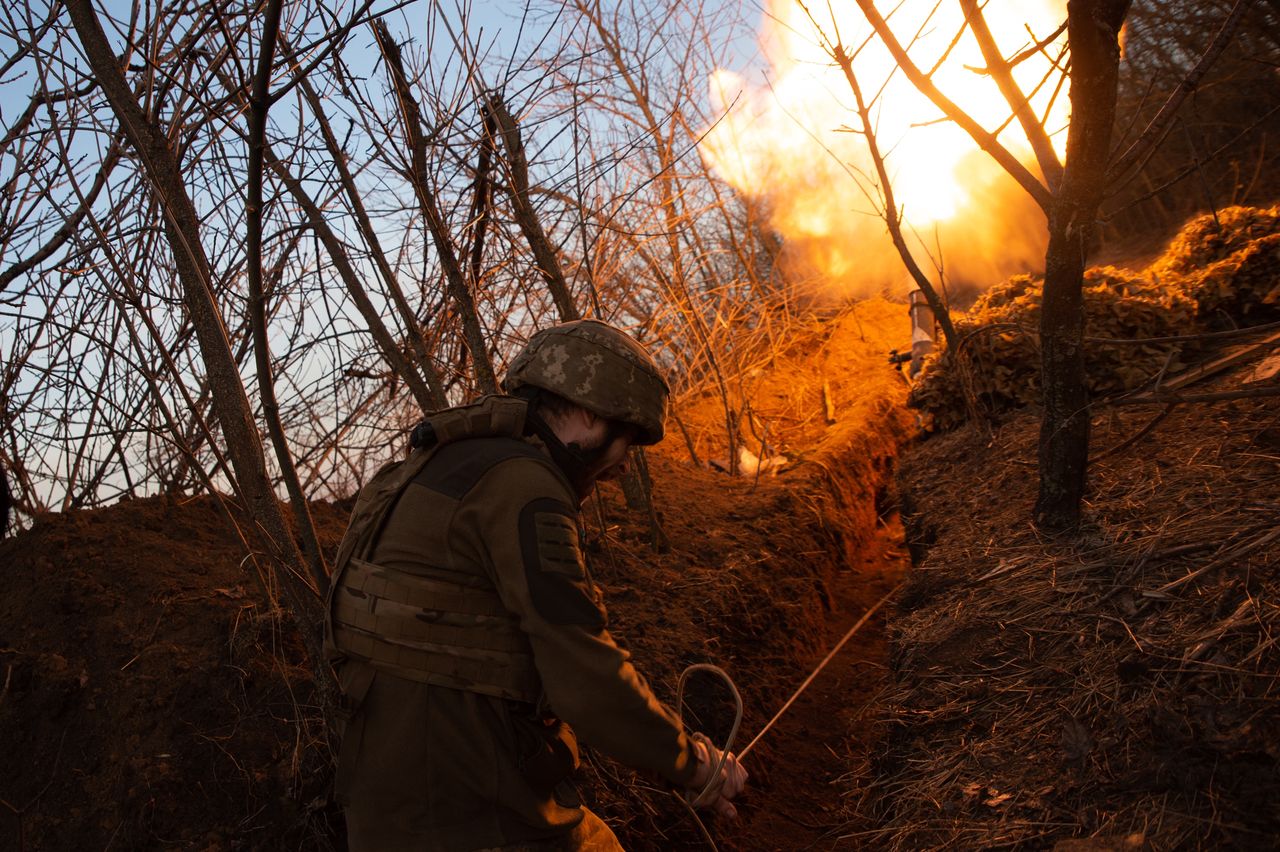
(1268, 369)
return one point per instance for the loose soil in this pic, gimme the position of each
(152, 697)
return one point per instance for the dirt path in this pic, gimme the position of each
(810, 768)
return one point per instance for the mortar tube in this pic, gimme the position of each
(924, 330)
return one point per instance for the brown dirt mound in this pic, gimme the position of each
(1220, 271)
(152, 700)
(997, 366)
(147, 696)
(1119, 687)
(1212, 237)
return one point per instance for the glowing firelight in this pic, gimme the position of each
(788, 142)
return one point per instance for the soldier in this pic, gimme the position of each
(467, 636)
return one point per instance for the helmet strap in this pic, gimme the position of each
(571, 458)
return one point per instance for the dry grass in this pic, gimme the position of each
(1120, 686)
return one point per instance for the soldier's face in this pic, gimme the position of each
(604, 443)
(614, 461)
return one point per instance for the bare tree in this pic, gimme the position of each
(248, 239)
(1070, 194)
(228, 394)
(1093, 30)
(1220, 148)
(888, 205)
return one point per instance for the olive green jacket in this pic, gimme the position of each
(426, 766)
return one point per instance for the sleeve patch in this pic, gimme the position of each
(558, 584)
(558, 545)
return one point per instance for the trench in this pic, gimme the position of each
(159, 703)
(763, 576)
(825, 545)
(812, 786)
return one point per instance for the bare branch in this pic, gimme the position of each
(411, 122)
(481, 198)
(412, 327)
(1158, 397)
(985, 140)
(1001, 72)
(69, 225)
(1156, 130)
(892, 216)
(526, 216)
(259, 105)
(355, 288)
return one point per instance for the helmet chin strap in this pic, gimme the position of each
(571, 458)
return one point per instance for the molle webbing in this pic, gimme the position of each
(448, 629)
(439, 627)
(493, 416)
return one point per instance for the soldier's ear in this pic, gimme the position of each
(587, 418)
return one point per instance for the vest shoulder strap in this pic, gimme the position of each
(492, 416)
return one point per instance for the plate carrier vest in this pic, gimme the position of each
(442, 627)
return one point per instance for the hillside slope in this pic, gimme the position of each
(1112, 691)
(153, 698)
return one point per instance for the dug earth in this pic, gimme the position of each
(153, 697)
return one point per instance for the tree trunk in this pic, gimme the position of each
(259, 105)
(181, 225)
(1093, 28)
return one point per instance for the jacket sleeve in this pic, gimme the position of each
(522, 520)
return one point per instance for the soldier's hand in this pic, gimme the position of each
(716, 793)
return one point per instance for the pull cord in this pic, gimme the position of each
(687, 798)
(866, 616)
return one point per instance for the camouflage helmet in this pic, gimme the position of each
(594, 365)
